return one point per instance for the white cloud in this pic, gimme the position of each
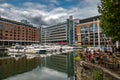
(85, 8)
(55, 2)
(6, 5)
(46, 14)
(34, 5)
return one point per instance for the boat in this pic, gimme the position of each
(16, 48)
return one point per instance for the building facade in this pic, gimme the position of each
(62, 33)
(12, 32)
(90, 33)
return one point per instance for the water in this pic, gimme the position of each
(40, 74)
(56, 67)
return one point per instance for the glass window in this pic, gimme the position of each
(14, 28)
(93, 28)
(6, 29)
(84, 37)
(1, 26)
(84, 29)
(10, 29)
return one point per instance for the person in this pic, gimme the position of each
(105, 49)
(81, 54)
(118, 48)
(100, 59)
(105, 59)
(61, 49)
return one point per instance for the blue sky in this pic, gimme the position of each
(57, 3)
(47, 12)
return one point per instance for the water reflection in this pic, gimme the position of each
(56, 67)
(40, 74)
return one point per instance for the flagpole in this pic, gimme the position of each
(94, 31)
(98, 33)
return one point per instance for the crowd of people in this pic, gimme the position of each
(97, 55)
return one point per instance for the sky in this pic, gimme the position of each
(47, 12)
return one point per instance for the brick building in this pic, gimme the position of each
(12, 32)
(89, 32)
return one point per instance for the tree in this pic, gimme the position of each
(110, 18)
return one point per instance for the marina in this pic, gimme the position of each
(43, 50)
(57, 59)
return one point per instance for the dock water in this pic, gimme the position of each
(9, 66)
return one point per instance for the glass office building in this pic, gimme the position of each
(62, 33)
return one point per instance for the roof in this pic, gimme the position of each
(89, 19)
(15, 22)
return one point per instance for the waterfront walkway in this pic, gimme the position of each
(105, 61)
(82, 70)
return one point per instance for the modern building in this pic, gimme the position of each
(90, 33)
(12, 32)
(62, 33)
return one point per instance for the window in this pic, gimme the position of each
(1, 30)
(23, 30)
(6, 34)
(1, 26)
(6, 29)
(84, 29)
(15, 28)
(84, 37)
(10, 29)
(93, 28)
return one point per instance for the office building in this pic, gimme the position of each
(62, 33)
(90, 33)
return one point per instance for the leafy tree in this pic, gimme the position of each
(110, 18)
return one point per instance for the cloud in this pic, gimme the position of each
(85, 8)
(34, 5)
(6, 5)
(54, 2)
(46, 15)
(37, 15)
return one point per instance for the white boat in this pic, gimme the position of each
(32, 48)
(16, 49)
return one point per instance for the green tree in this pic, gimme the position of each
(110, 18)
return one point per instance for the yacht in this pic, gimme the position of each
(16, 48)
